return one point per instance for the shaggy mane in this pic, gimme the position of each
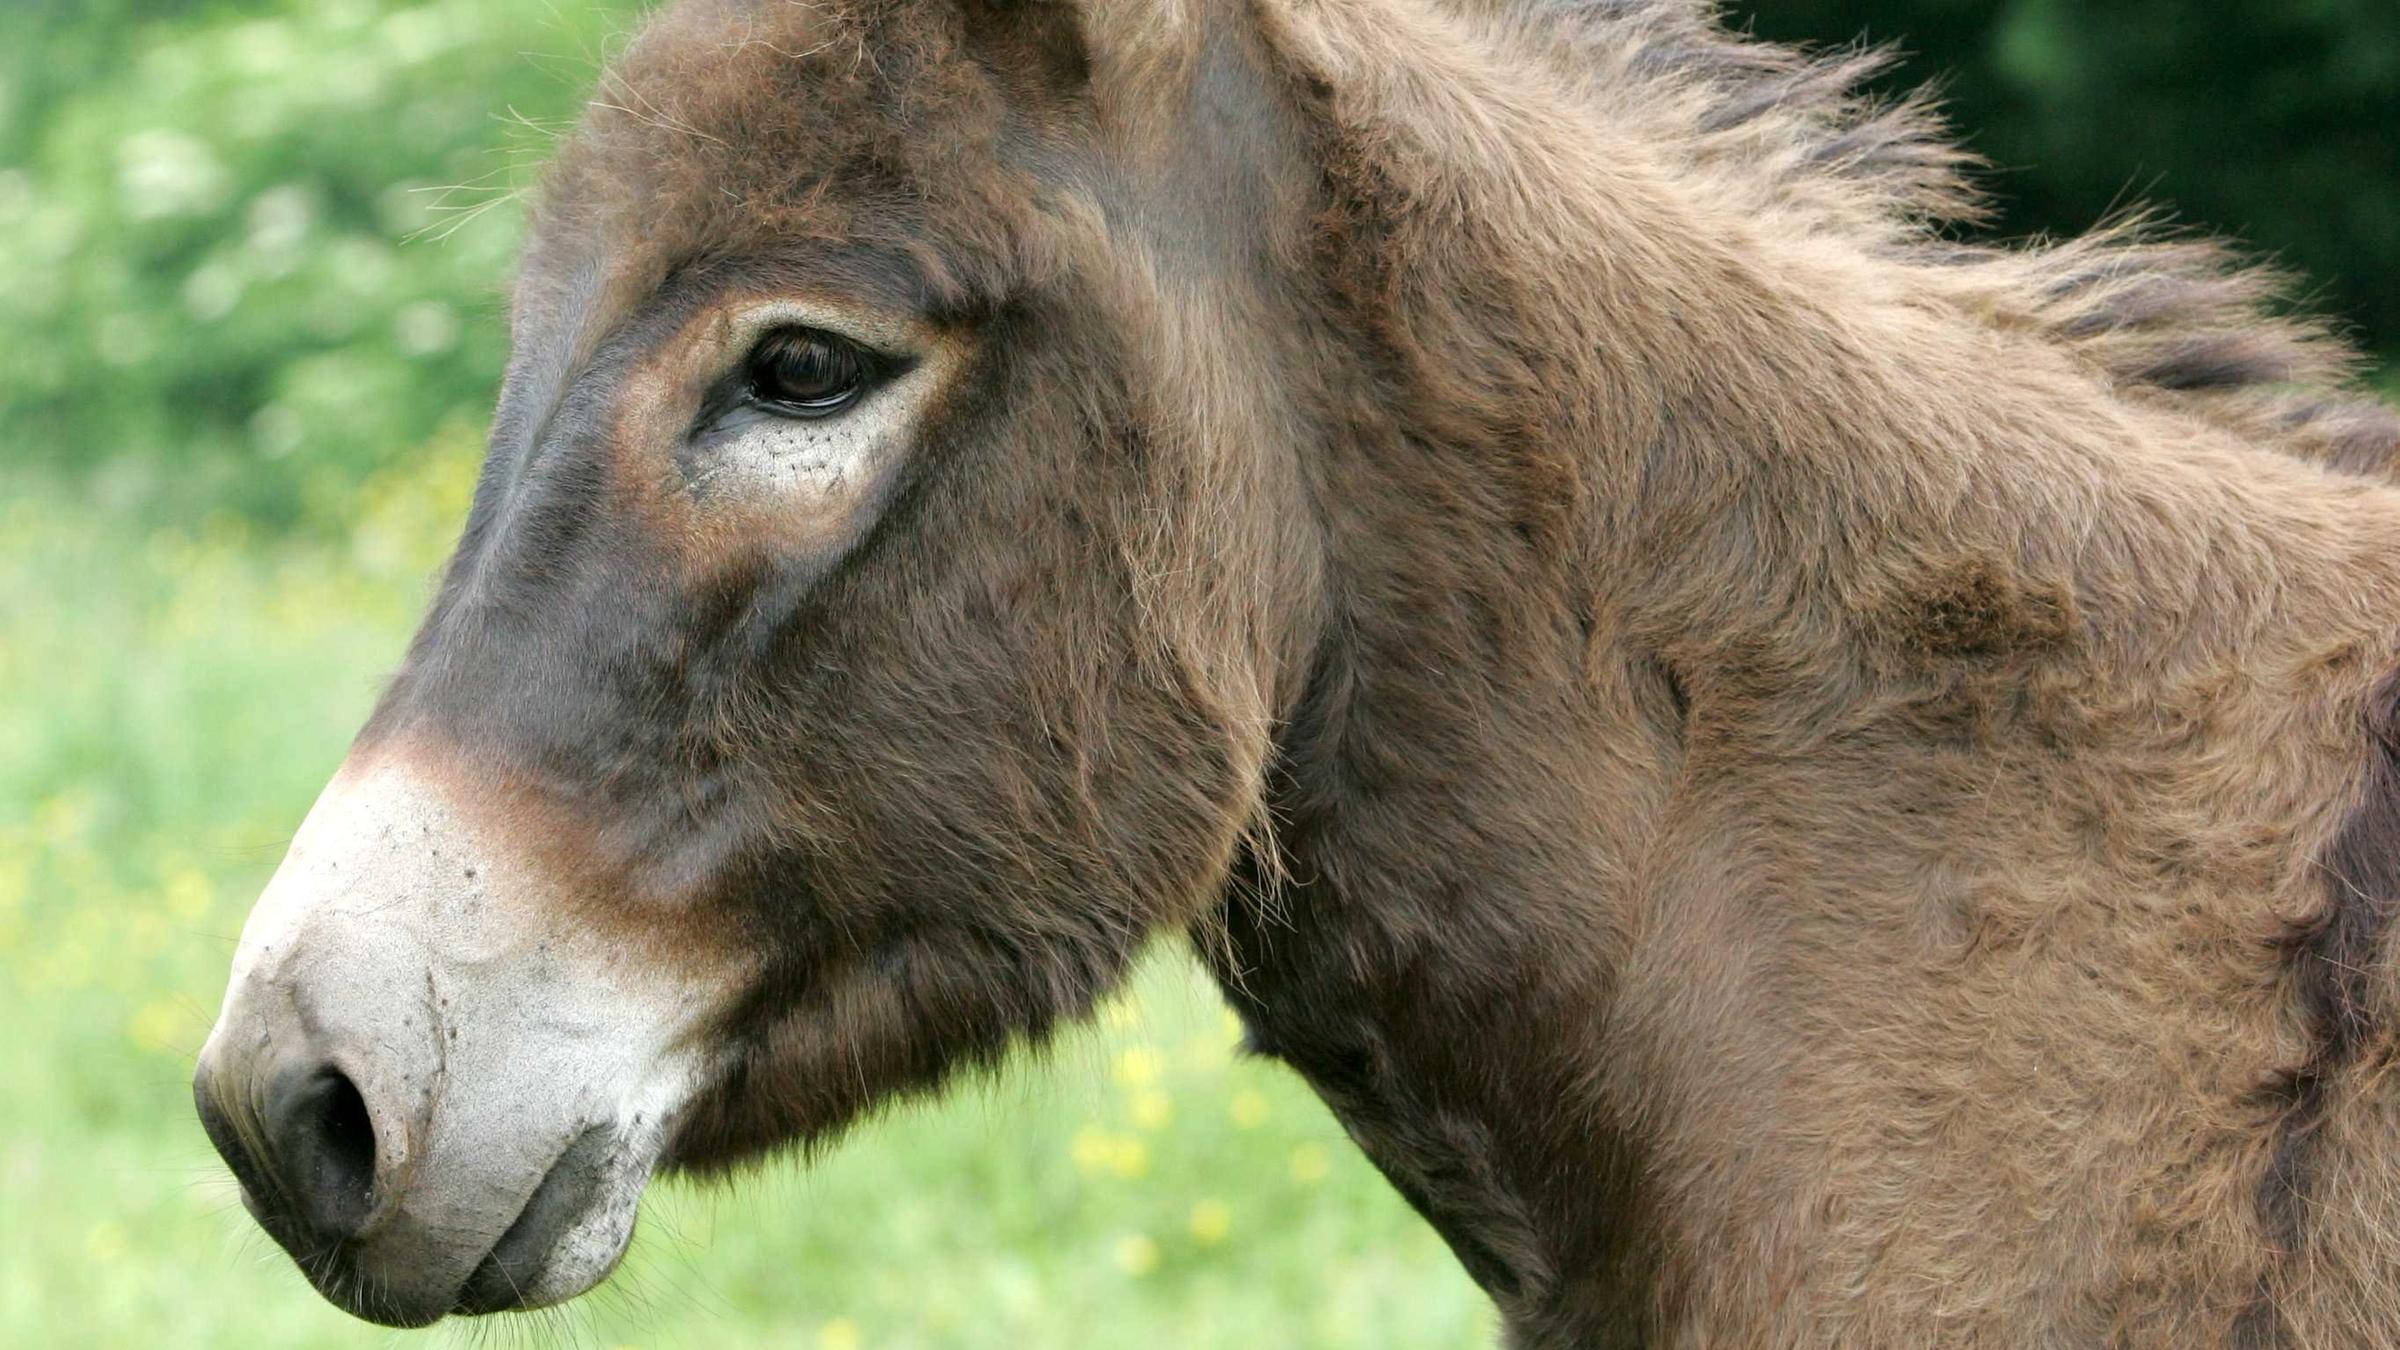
(1791, 138)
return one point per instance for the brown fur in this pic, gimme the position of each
(1793, 781)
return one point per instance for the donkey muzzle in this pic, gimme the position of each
(439, 1094)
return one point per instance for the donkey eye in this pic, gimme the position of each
(806, 372)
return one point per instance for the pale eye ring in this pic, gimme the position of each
(809, 373)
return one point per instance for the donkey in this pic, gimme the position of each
(1791, 780)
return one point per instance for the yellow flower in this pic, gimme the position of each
(106, 1242)
(157, 1027)
(189, 893)
(63, 818)
(1153, 1109)
(1096, 1151)
(1091, 1148)
(839, 1334)
(1140, 1067)
(1131, 1159)
(1248, 1109)
(1137, 1254)
(1310, 1163)
(1211, 1221)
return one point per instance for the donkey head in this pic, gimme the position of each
(890, 562)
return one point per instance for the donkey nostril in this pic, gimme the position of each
(319, 1125)
(349, 1133)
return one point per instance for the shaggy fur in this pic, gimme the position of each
(1792, 780)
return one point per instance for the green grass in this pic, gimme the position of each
(170, 702)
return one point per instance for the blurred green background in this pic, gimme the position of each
(251, 267)
(2273, 122)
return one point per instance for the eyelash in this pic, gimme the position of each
(809, 373)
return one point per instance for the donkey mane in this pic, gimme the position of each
(1788, 136)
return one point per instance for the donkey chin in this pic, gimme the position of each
(438, 1094)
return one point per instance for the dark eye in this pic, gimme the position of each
(803, 372)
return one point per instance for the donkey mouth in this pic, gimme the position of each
(568, 1237)
(515, 1274)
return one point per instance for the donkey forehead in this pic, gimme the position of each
(985, 140)
(850, 157)
(724, 126)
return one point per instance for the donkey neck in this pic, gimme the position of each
(1487, 736)
(1631, 465)
(1726, 426)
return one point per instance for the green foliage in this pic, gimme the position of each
(2274, 121)
(250, 259)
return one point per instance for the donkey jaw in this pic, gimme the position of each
(438, 1092)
